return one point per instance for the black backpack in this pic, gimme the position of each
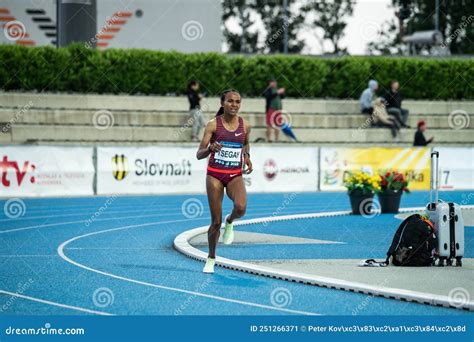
(412, 245)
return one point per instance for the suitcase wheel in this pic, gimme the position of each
(459, 262)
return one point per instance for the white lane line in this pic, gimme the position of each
(113, 249)
(27, 255)
(83, 221)
(174, 289)
(71, 307)
(119, 209)
(106, 212)
(117, 218)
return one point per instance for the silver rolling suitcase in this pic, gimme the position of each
(448, 222)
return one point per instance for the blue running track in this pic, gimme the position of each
(132, 268)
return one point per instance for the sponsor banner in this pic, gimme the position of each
(456, 167)
(283, 169)
(156, 170)
(149, 170)
(46, 171)
(335, 163)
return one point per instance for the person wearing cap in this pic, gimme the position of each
(273, 107)
(420, 139)
(367, 97)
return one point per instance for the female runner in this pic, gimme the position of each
(226, 141)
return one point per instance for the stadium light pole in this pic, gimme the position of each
(242, 36)
(76, 21)
(285, 27)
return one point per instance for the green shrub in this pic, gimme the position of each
(135, 71)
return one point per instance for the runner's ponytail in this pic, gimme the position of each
(220, 111)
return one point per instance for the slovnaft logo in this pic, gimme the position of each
(145, 167)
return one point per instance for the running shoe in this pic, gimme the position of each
(228, 232)
(209, 267)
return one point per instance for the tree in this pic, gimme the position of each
(456, 23)
(272, 14)
(241, 11)
(331, 16)
(388, 40)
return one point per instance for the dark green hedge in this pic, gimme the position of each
(134, 71)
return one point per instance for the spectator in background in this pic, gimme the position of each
(194, 99)
(393, 101)
(420, 137)
(367, 97)
(273, 107)
(382, 119)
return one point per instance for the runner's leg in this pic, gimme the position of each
(238, 194)
(215, 194)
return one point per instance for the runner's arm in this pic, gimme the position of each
(246, 148)
(205, 149)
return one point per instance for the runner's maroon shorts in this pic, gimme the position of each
(224, 177)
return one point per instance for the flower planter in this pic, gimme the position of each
(390, 201)
(361, 202)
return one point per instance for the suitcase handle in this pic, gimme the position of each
(434, 173)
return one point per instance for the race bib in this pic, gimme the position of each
(229, 155)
